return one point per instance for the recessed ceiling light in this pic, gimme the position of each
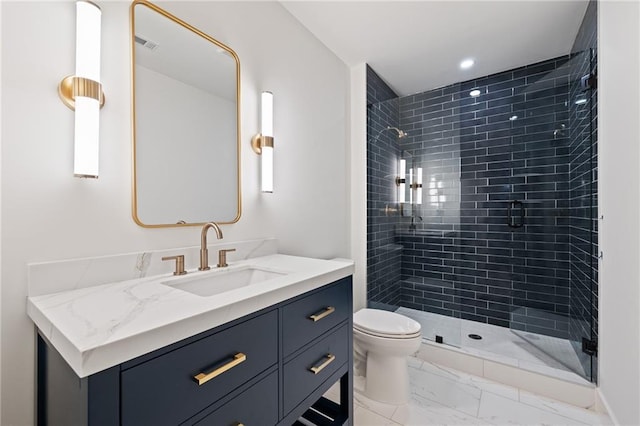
(513, 118)
(474, 93)
(466, 64)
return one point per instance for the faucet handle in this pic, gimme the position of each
(222, 257)
(179, 263)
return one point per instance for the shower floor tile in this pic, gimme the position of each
(543, 354)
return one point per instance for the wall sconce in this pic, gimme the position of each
(411, 185)
(417, 185)
(400, 181)
(262, 143)
(414, 184)
(82, 92)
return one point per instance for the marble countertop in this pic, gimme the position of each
(100, 326)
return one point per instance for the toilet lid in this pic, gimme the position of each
(385, 323)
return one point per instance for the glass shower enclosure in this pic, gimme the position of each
(482, 210)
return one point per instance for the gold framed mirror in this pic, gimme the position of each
(185, 120)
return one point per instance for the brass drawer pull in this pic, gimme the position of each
(328, 311)
(203, 378)
(318, 368)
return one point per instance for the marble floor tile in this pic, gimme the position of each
(480, 383)
(447, 391)
(364, 417)
(385, 410)
(503, 411)
(425, 412)
(444, 396)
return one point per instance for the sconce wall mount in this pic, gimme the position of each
(259, 141)
(72, 86)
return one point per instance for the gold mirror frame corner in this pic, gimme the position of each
(134, 204)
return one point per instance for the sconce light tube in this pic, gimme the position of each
(262, 143)
(88, 17)
(411, 185)
(267, 148)
(82, 92)
(403, 171)
(419, 186)
(267, 114)
(87, 116)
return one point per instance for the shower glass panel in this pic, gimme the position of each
(436, 252)
(383, 207)
(413, 201)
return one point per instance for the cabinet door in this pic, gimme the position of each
(164, 391)
(256, 406)
(325, 357)
(309, 317)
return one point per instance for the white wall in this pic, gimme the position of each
(49, 215)
(1, 9)
(358, 157)
(619, 197)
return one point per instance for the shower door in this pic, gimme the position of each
(551, 213)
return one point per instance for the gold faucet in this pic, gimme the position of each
(179, 264)
(204, 252)
(222, 258)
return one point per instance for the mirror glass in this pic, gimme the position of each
(186, 107)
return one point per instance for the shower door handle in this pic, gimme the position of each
(515, 214)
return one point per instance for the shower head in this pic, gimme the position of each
(401, 133)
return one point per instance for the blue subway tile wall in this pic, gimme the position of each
(583, 177)
(384, 256)
(478, 154)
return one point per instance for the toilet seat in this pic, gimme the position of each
(385, 324)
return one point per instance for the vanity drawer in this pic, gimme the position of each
(164, 390)
(257, 406)
(329, 307)
(300, 380)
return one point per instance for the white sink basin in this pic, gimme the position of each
(219, 281)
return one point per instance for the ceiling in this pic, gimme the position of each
(417, 45)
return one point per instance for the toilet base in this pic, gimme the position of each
(387, 379)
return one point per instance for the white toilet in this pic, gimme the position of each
(382, 341)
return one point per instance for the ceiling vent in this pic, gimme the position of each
(146, 43)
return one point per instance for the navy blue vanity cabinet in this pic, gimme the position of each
(271, 367)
